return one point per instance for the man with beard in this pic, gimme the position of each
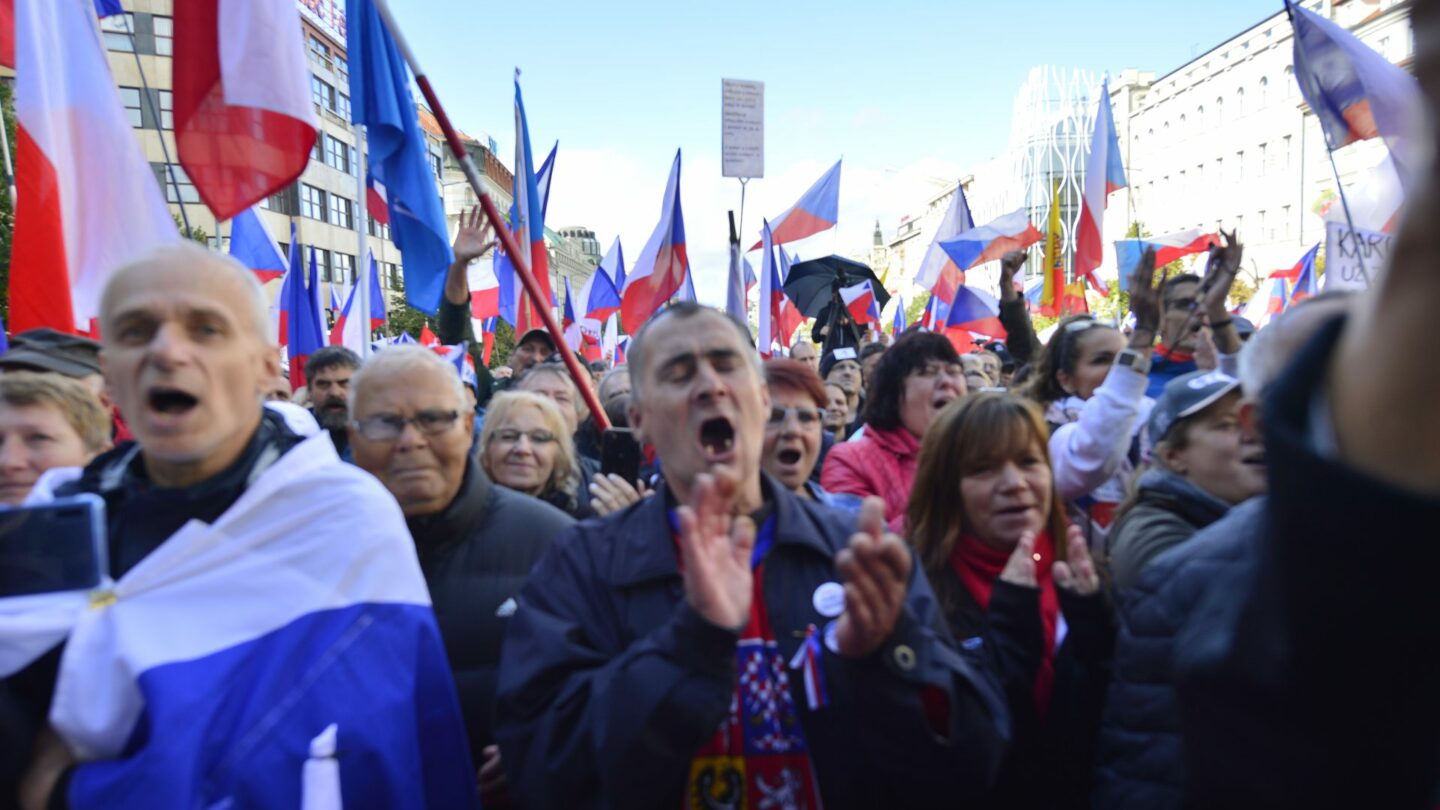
(328, 374)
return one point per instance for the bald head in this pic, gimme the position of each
(231, 280)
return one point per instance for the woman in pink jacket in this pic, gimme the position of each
(915, 378)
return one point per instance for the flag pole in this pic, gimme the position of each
(362, 257)
(9, 170)
(579, 375)
(159, 126)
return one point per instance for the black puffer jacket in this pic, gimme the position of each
(1140, 763)
(1168, 511)
(476, 555)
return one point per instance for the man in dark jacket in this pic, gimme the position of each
(699, 645)
(477, 542)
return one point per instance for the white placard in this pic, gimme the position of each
(742, 128)
(1353, 259)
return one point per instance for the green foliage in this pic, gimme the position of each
(504, 343)
(194, 234)
(916, 309)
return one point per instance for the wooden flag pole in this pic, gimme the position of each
(578, 373)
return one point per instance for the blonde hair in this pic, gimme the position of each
(77, 403)
(565, 476)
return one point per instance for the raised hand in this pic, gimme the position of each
(1220, 276)
(1020, 568)
(1077, 572)
(715, 550)
(1145, 298)
(474, 238)
(611, 493)
(876, 572)
(1010, 264)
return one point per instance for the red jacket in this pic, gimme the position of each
(880, 463)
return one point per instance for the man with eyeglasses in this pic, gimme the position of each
(477, 542)
(725, 640)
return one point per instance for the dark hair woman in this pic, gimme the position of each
(1091, 382)
(914, 379)
(1017, 585)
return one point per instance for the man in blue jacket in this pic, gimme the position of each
(724, 643)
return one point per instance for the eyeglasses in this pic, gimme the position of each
(512, 436)
(387, 427)
(807, 416)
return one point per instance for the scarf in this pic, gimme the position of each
(979, 565)
(1169, 355)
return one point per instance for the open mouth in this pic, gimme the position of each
(1012, 511)
(717, 436)
(171, 401)
(789, 456)
(1256, 460)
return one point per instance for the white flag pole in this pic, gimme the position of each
(362, 257)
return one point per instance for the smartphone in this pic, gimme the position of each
(620, 454)
(57, 546)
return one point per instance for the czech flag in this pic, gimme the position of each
(1306, 283)
(244, 119)
(899, 324)
(815, 211)
(304, 328)
(1104, 174)
(1266, 305)
(376, 200)
(487, 339)
(992, 240)
(251, 245)
(378, 315)
(89, 202)
(663, 265)
(527, 220)
(569, 324)
(542, 180)
(1356, 93)
(399, 158)
(1293, 274)
(428, 338)
(975, 311)
(600, 297)
(860, 300)
(938, 272)
(1168, 248)
(484, 290)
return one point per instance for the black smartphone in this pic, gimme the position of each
(620, 454)
(57, 546)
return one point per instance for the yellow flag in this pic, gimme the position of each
(1054, 267)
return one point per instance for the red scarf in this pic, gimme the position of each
(1173, 355)
(979, 565)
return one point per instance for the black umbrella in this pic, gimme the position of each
(813, 284)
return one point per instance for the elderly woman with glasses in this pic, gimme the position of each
(476, 542)
(795, 437)
(526, 446)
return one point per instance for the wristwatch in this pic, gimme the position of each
(1138, 362)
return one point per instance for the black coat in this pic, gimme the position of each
(1050, 763)
(1310, 679)
(1141, 749)
(476, 555)
(611, 682)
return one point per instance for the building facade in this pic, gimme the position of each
(1223, 141)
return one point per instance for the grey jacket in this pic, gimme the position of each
(1169, 510)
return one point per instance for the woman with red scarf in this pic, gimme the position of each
(1018, 588)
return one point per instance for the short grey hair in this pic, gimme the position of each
(610, 376)
(1266, 354)
(635, 355)
(192, 253)
(395, 358)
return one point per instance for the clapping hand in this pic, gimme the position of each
(715, 549)
(876, 571)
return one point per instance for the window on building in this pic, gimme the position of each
(118, 32)
(322, 93)
(1240, 165)
(1262, 93)
(344, 268)
(342, 211)
(1200, 118)
(1264, 159)
(130, 97)
(342, 106)
(1288, 81)
(164, 29)
(1219, 111)
(392, 272)
(166, 107)
(1285, 221)
(176, 183)
(1239, 103)
(337, 154)
(322, 262)
(1239, 225)
(438, 163)
(342, 68)
(378, 230)
(1286, 148)
(312, 202)
(1264, 234)
(320, 51)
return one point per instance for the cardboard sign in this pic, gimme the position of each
(742, 128)
(1354, 258)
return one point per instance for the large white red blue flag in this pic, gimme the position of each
(663, 265)
(1104, 174)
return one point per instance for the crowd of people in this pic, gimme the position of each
(1172, 563)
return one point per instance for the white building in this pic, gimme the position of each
(1223, 141)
